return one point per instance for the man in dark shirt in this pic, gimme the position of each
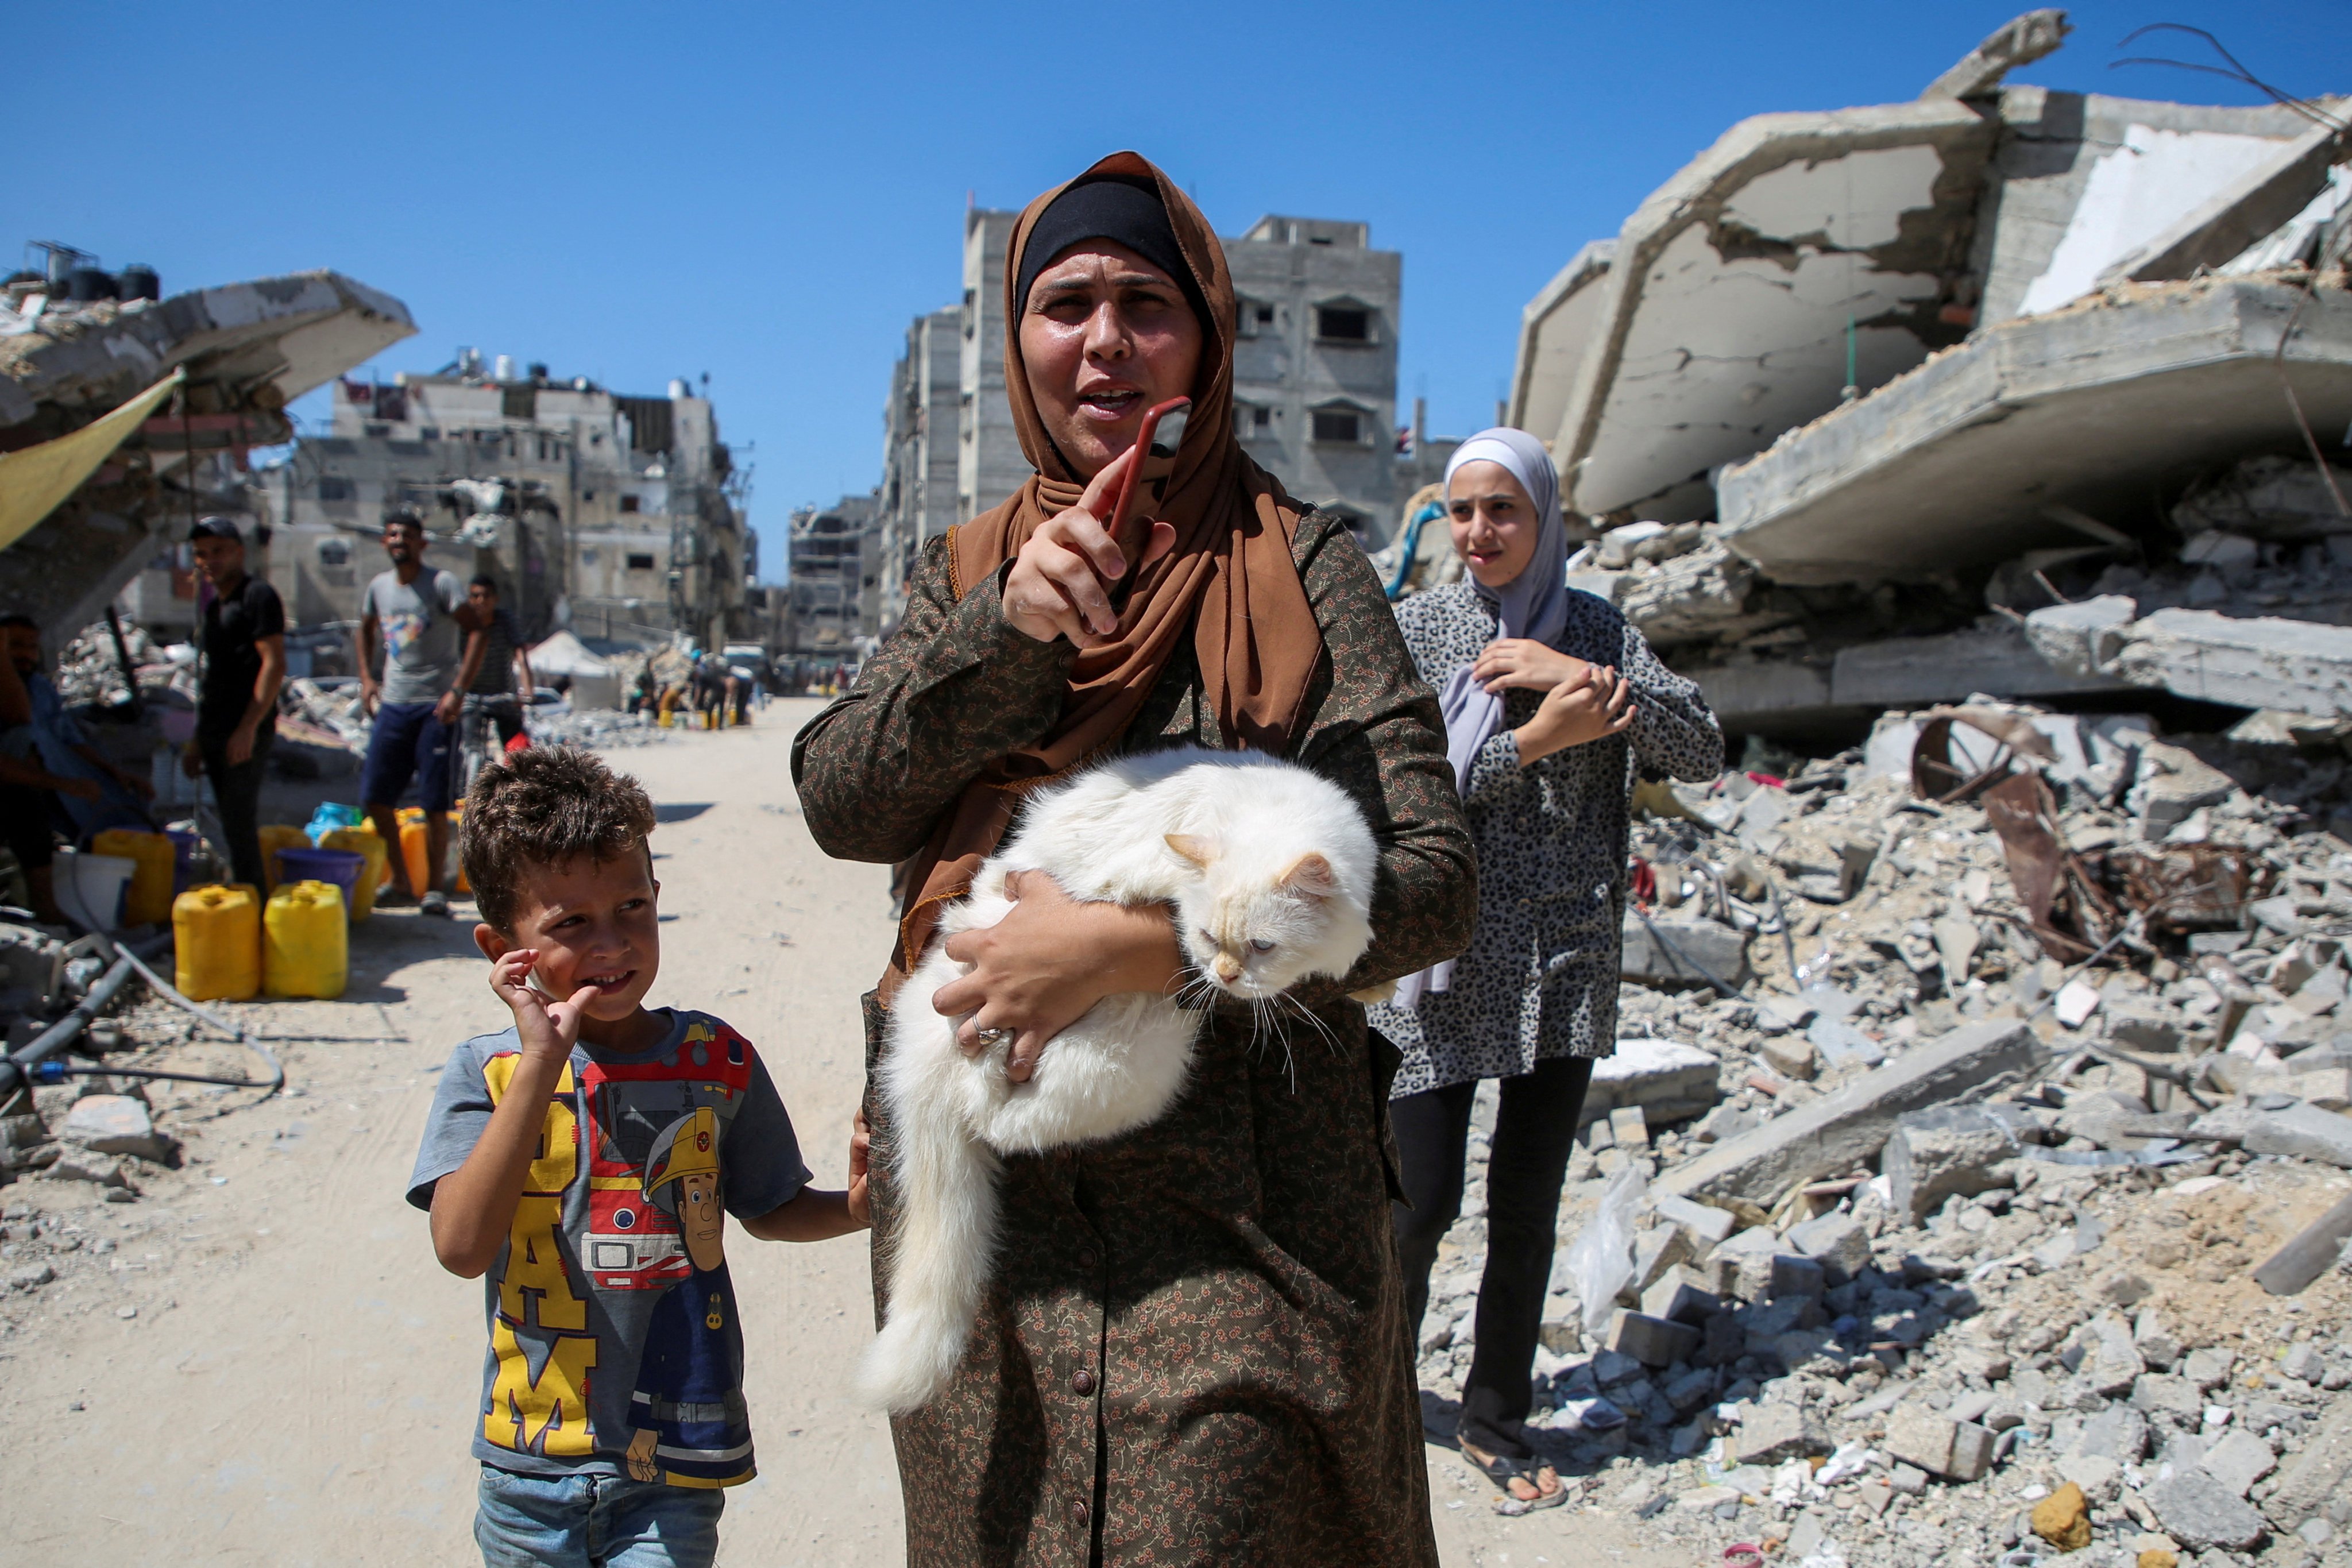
(496, 697)
(242, 641)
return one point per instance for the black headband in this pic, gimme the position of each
(1114, 207)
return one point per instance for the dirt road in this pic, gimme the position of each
(260, 1360)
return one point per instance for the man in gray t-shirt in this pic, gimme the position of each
(413, 619)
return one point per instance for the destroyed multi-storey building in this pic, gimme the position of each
(125, 415)
(620, 517)
(1856, 397)
(834, 597)
(1315, 397)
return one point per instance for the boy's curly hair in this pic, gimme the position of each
(547, 806)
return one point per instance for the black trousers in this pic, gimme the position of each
(1535, 1129)
(25, 813)
(238, 789)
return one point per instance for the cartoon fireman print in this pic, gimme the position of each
(691, 1427)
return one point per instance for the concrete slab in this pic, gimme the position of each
(1841, 1130)
(1555, 332)
(2296, 666)
(1957, 464)
(1723, 319)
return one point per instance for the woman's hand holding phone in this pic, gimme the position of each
(1062, 581)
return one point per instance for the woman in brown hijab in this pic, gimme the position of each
(1195, 1350)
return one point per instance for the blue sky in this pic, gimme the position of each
(768, 193)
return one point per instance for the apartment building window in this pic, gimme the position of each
(1339, 426)
(1261, 419)
(376, 429)
(1343, 323)
(430, 432)
(639, 561)
(333, 552)
(332, 488)
(629, 503)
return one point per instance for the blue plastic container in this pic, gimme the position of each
(330, 817)
(340, 866)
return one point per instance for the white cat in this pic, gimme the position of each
(1270, 870)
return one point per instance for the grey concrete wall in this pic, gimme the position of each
(989, 464)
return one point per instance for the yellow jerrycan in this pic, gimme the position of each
(277, 836)
(149, 897)
(216, 941)
(369, 843)
(305, 941)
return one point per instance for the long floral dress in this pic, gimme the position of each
(1195, 1350)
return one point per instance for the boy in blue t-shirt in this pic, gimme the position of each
(584, 1160)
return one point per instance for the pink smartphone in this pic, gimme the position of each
(1162, 432)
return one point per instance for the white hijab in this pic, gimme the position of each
(1532, 605)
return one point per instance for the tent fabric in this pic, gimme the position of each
(33, 482)
(563, 654)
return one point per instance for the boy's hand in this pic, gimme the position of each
(547, 1028)
(861, 1145)
(642, 1466)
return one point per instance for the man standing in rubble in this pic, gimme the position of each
(242, 644)
(431, 644)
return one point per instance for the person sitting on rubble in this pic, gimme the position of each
(1550, 698)
(417, 619)
(29, 793)
(54, 743)
(241, 639)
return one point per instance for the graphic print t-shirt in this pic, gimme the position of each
(609, 1335)
(422, 642)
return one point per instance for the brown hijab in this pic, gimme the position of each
(1230, 580)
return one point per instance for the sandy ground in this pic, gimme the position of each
(293, 1379)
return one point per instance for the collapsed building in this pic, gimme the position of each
(1862, 406)
(125, 415)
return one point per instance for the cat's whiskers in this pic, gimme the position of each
(1314, 1021)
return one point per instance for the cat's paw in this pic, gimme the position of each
(1372, 995)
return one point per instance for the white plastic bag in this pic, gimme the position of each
(1603, 1254)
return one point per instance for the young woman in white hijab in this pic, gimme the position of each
(1551, 702)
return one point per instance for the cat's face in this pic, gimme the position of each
(1252, 932)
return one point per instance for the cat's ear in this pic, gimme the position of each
(1193, 848)
(1311, 877)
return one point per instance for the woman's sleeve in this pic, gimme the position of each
(1376, 732)
(1496, 765)
(953, 689)
(1675, 734)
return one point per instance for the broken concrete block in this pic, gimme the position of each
(1837, 1241)
(2207, 1367)
(1795, 1276)
(2304, 1131)
(1684, 953)
(116, 1124)
(1847, 1129)
(1656, 1251)
(1629, 1127)
(1791, 1055)
(73, 1165)
(2239, 1460)
(1932, 1155)
(2318, 1475)
(1652, 1342)
(2097, 1475)
(2117, 1433)
(2266, 661)
(2199, 1511)
(1841, 1042)
(2113, 1363)
(1956, 1450)
(1707, 1224)
(1681, 1297)
(1772, 1434)
(1669, 1080)
(2082, 639)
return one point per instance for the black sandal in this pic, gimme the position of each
(1531, 1472)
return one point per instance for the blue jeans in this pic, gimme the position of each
(594, 1521)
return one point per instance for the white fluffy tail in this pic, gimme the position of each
(945, 1247)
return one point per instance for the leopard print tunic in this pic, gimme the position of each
(1540, 977)
(1195, 1352)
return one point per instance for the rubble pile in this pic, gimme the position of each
(1969, 1184)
